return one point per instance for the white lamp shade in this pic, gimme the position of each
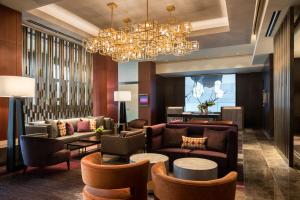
(17, 86)
(122, 96)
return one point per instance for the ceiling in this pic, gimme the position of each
(223, 27)
(97, 12)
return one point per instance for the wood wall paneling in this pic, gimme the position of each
(10, 55)
(147, 85)
(170, 92)
(249, 95)
(268, 109)
(283, 87)
(105, 82)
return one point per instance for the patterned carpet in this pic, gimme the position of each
(56, 183)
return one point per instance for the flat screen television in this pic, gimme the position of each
(143, 99)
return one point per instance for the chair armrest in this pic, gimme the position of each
(43, 128)
(41, 135)
(136, 142)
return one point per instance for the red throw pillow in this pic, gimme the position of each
(70, 128)
(83, 126)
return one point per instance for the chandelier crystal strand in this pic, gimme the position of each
(144, 41)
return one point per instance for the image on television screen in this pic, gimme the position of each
(219, 88)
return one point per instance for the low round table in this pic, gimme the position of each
(153, 158)
(197, 169)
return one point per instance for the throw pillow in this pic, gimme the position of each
(61, 126)
(216, 140)
(172, 137)
(193, 143)
(70, 128)
(83, 126)
(93, 124)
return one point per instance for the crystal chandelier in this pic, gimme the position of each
(143, 41)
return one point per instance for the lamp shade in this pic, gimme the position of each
(17, 86)
(122, 96)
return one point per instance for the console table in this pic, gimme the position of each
(187, 116)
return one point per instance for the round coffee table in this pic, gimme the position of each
(153, 158)
(197, 169)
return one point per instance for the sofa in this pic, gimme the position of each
(124, 144)
(226, 160)
(50, 127)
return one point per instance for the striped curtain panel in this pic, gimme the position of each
(63, 74)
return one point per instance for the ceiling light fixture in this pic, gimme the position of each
(143, 41)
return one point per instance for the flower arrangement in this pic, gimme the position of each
(203, 107)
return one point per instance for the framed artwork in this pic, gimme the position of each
(143, 99)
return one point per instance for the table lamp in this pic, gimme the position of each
(16, 88)
(122, 97)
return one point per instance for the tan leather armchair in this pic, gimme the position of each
(127, 181)
(166, 187)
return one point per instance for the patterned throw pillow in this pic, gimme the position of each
(93, 124)
(193, 143)
(61, 127)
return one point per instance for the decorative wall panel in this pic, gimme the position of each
(283, 86)
(63, 73)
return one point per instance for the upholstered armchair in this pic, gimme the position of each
(39, 151)
(127, 181)
(123, 144)
(167, 187)
(136, 124)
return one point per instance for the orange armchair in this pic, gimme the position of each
(102, 182)
(166, 187)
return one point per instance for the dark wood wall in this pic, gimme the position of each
(268, 109)
(297, 96)
(283, 86)
(105, 82)
(249, 95)
(170, 92)
(147, 85)
(10, 55)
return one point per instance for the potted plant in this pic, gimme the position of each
(99, 129)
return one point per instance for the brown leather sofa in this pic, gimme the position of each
(227, 161)
(127, 181)
(167, 187)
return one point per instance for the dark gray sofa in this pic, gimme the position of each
(50, 127)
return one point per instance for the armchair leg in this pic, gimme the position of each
(68, 164)
(25, 169)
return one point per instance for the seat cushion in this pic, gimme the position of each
(172, 137)
(218, 157)
(76, 136)
(216, 140)
(90, 193)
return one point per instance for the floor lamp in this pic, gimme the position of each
(122, 97)
(17, 88)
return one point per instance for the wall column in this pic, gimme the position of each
(105, 82)
(147, 85)
(10, 55)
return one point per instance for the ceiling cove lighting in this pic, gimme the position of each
(143, 41)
